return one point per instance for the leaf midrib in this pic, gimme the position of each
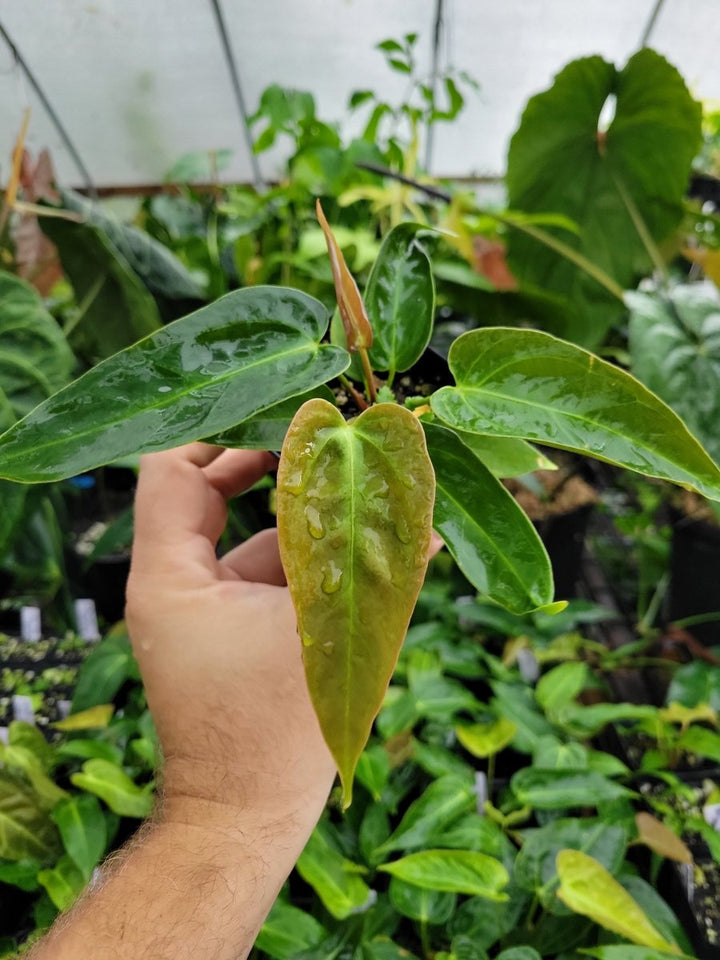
(168, 399)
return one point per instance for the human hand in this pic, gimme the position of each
(217, 646)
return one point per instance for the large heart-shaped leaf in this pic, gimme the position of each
(491, 539)
(559, 161)
(400, 301)
(588, 889)
(528, 384)
(354, 511)
(192, 379)
(675, 350)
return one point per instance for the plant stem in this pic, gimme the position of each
(355, 394)
(425, 939)
(491, 773)
(367, 372)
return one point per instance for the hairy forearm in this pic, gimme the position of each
(193, 886)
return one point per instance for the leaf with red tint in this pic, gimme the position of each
(490, 263)
(358, 332)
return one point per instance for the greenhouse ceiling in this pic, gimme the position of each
(120, 89)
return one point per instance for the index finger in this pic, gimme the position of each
(180, 503)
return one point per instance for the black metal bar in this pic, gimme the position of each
(237, 89)
(59, 126)
(435, 192)
(650, 25)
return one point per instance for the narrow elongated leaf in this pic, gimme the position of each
(621, 951)
(560, 161)
(83, 830)
(354, 519)
(506, 456)
(154, 263)
(491, 539)
(358, 332)
(194, 378)
(336, 881)
(661, 839)
(400, 301)
(560, 789)
(114, 307)
(90, 719)
(115, 787)
(453, 871)
(528, 384)
(588, 889)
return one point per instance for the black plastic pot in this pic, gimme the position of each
(695, 575)
(564, 539)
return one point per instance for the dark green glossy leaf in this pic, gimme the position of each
(588, 889)
(374, 831)
(535, 867)
(452, 871)
(336, 880)
(115, 787)
(154, 263)
(484, 925)
(528, 384)
(558, 161)
(440, 805)
(400, 301)
(560, 789)
(64, 882)
(83, 830)
(194, 378)
(491, 539)
(675, 350)
(519, 953)
(287, 931)
(114, 308)
(12, 502)
(354, 505)
(266, 430)
(26, 830)
(373, 770)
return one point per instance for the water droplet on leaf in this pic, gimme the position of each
(314, 522)
(332, 577)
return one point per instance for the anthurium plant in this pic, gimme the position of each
(369, 466)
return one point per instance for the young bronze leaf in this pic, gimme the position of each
(358, 332)
(354, 509)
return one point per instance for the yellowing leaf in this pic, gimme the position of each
(358, 331)
(354, 506)
(93, 718)
(678, 713)
(589, 889)
(661, 839)
(708, 260)
(486, 739)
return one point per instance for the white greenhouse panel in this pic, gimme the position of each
(137, 83)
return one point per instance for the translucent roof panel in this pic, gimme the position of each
(138, 84)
